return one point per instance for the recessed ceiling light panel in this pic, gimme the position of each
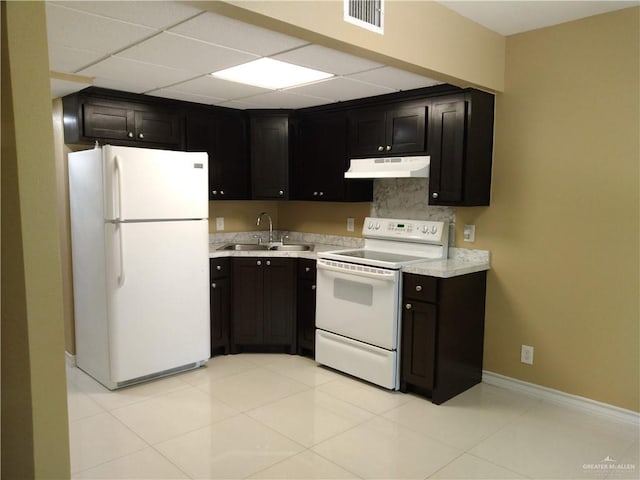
(272, 74)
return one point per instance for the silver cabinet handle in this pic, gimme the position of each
(258, 263)
(380, 148)
(281, 192)
(321, 193)
(130, 134)
(408, 306)
(434, 194)
(313, 287)
(215, 192)
(388, 147)
(307, 269)
(221, 192)
(141, 136)
(218, 267)
(268, 262)
(315, 194)
(213, 285)
(418, 288)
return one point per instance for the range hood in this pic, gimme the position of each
(389, 167)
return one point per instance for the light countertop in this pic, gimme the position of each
(460, 262)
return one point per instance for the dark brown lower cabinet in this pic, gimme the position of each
(442, 334)
(219, 300)
(306, 307)
(263, 304)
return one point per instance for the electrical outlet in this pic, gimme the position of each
(350, 224)
(219, 223)
(469, 233)
(526, 354)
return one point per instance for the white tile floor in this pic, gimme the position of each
(268, 416)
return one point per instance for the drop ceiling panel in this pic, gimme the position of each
(158, 15)
(341, 89)
(231, 33)
(75, 29)
(327, 60)
(144, 75)
(128, 84)
(282, 99)
(186, 97)
(70, 60)
(176, 51)
(60, 88)
(394, 78)
(208, 86)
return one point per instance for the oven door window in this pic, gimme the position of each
(359, 305)
(350, 291)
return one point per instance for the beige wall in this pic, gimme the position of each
(34, 410)
(423, 37)
(563, 222)
(309, 217)
(64, 225)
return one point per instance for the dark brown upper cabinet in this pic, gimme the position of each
(461, 149)
(269, 146)
(389, 130)
(113, 117)
(321, 158)
(223, 135)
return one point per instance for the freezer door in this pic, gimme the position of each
(147, 184)
(157, 296)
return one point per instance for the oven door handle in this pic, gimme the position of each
(386, 275)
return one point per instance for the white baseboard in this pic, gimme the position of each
(567, 399)
(70, 360)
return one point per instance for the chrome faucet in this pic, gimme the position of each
(270, 224)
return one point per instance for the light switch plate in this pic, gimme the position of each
(469, 233)
(219, 223)
(350, 224)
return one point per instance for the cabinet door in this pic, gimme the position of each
(270, 157)
(219, 302)
(321, 158)
(448, 129)
(418, 344)
(306, 306)
(367, 132)
(223, 137)
(406, 129)
(279, 302)
(231, 159)
(247, 292)
(103, 121)
(155, 126)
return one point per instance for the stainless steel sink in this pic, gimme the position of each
(292, 247)
(243, 246)
(287, 247)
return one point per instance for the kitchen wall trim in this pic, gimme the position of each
(561, 398)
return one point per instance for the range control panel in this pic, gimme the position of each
(423, 231)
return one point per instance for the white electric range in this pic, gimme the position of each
(358, 296)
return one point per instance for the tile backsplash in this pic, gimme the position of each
(408, 198)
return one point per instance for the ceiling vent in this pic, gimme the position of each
(367, 14)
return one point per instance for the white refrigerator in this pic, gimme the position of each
(139, 232)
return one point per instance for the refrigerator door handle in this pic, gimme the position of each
(118, 171)
(121, 245)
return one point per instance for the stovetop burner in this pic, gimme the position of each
(380, 256)
(392, 243)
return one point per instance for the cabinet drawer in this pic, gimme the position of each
(306, 269)
(219, 267)
(420, 287)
